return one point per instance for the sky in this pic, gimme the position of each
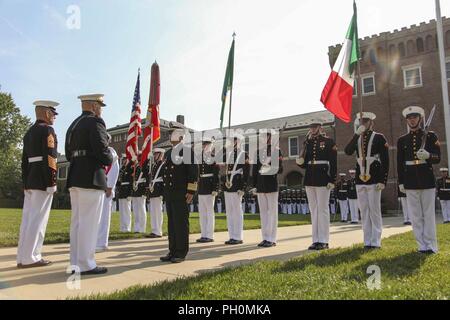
(281, 61)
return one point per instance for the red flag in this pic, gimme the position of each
(152, 131)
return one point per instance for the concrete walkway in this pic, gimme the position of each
(135, 262)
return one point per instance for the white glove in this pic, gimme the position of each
(214, 193)
(51, 189)
(330, 186)
(300, 161)
(402, 188)
(240, 193)
(423, 154)
(253, 191)
(361, 129)
(380, 186)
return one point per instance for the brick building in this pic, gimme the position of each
(399, 69)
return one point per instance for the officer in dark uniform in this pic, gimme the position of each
(443, 193)
(125, 185)
(39, 184)
(180, 178)
(342, 196)
(319, 158)
(237, 175)
(208, 190)
(353, 197)
(87, 150)
(155, 193)
(416, 177)
(372, 168)
(265, 184)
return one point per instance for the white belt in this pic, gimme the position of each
(207, 175)
(233, 173)
(125, 183)
(415, 162)
(35, 159)
(142, 180)
(342, 191)
(314, 162)
(160, 179)
(445, 189)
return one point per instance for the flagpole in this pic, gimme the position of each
(444, 81)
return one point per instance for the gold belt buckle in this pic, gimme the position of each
(416, 162)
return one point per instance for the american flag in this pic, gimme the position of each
(134, 130)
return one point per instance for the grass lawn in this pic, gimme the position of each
(59, 225)
(335, 274)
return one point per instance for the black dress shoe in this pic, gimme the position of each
(322, 246)
(407, 223)
(262, 243)
(313, 246)
(269, 244)
(353, 222)
(166, 258)
(201, 240)
(153, 236)
(41, 263)
(208, 240)
(96, 270)
(177, 260)
(368, 247)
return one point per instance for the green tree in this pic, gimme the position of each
(13, 127)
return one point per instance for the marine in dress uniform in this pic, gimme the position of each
(404, 204)
(155, 194)
(265, 184)
(416, 177)
(124, 193)
(138, 195)
(320, 161)
(112, 175)
(39, 183)
(88, 153)
(443, 193)
(304, 202)
(238, 169)
(180, 180)
(219, 205)
(353, 197)
(371, 176)
(342, 196)
(333, 203)
(208, 189)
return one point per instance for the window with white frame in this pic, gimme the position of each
(412, 76)
(62, 173)
(368, 84)
(293, 147)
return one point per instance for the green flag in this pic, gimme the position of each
(228, 82)
(352, 34)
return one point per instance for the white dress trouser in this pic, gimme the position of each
(421, 205)
(369, 200)
(268, 208)
(105, 223)
(343, 205)
(406, 215)
(445, 206)
(87, 207)
(318, 200)
(125, 215)
(235, 216)
(36, 211)
(156, 215)
(206, 213)
(353, 205)
(219, 208)
(139, 214)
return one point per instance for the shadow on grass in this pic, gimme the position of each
(323, 259)
(399, 266)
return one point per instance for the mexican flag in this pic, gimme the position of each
(337, 95)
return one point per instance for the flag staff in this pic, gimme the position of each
(444, 81)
